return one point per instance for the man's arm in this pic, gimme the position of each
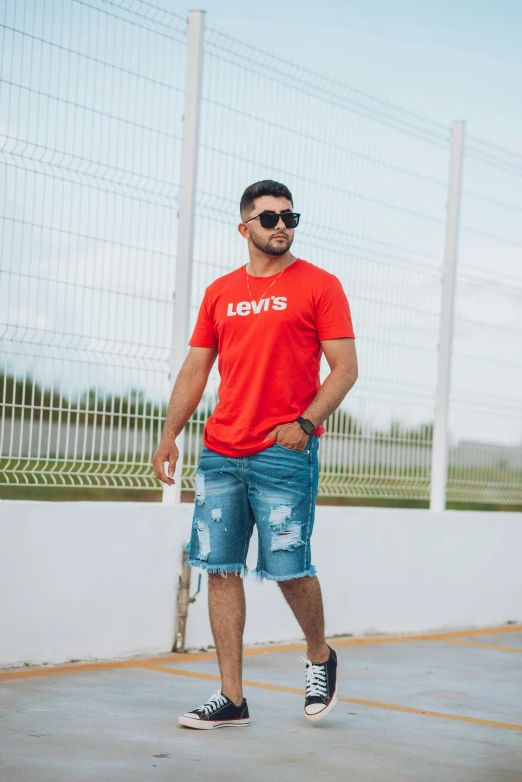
(186, 396)
(342, 359)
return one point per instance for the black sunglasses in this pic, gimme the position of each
(271, 219)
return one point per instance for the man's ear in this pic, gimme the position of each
(243, 230)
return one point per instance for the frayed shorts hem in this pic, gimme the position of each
(261, 575)
(243, 571)
(224, 570)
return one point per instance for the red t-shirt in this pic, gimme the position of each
(269, 350)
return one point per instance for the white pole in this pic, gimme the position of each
(186, 218)
(439, 456)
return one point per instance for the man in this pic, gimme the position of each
(268, 323)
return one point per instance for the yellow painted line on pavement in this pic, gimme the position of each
(211, 677)
(29, 672)
(11, 674)
(484, 646)
(442, 636)
(380, 639)
(439, 714)
(362, 641)
(355, 701)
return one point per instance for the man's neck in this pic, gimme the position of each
(262, 265)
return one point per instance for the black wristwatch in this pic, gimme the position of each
(305, 424)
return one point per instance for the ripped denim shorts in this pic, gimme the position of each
(274, 489)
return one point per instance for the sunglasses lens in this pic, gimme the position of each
(268, 219)
(290, 220)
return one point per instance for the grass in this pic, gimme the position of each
(101, 480)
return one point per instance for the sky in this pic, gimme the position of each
(446, 59)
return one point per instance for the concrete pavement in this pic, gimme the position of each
(444, 706)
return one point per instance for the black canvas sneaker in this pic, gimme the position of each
(217, 712)
(321, 687)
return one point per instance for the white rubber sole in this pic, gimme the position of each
(326, 711)
(190, 722)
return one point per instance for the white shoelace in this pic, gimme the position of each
(216, 700)
(315, 679)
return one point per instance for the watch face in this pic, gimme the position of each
(307, 425)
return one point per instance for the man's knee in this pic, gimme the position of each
(297, 584)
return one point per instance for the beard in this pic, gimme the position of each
(271, 246)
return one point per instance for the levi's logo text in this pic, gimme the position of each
(263, 305)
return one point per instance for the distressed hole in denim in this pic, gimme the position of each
(287, 539)
(216, 514)
(200, 488)
(279, 515)
(204, 540)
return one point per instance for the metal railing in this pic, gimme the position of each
(92, 142)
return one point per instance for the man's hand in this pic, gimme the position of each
(290, 436)
(166, 452)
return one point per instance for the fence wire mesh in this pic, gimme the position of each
(91, 104)
(366, 177)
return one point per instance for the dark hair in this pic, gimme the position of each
(267, 187)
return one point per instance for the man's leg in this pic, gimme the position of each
(221, 530)
(226, 604)
(284, 484)
(283, 488)
(303, 595)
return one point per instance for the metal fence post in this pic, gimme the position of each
(186, 218)
(439, 455)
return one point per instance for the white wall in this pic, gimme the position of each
(80, 580)
(98, 580)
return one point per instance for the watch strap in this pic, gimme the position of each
(306, 425)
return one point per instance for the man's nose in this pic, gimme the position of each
(280, 221)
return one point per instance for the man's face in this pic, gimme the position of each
(272, 241)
